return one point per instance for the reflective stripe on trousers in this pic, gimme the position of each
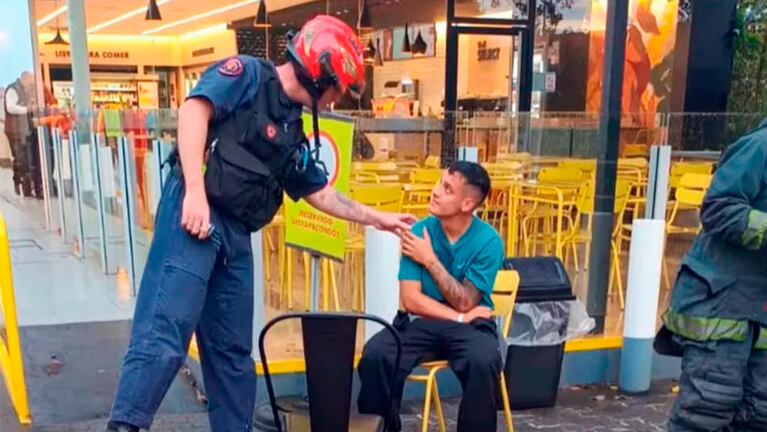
(723, 385)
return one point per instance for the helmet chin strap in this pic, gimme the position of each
(316, 130)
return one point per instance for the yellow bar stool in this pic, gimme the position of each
(504, 297)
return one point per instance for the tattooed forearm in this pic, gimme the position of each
(351, 210)
(461, 296)
(337, 205)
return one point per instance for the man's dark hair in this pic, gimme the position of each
(475, 175)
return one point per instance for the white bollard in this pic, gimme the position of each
(645, 259)
(381, 282)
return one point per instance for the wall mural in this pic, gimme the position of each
(647, 75)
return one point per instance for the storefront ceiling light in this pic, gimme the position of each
(199, 16)
(205, 31)
(123, 17)
(51, 16)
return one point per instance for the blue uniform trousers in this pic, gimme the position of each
(190, 286)
(723, 387)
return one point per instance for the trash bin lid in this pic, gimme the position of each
(540, 279)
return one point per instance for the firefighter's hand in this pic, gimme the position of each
(195, 216)
(395, 223)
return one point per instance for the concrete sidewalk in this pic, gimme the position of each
(74, 323)
(592, 409)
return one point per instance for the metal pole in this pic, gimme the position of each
(78, 45)
(604, 197)
(74, 153)
(315, 282)
(95, 153)
(42, 148)
(126, 180)
(158, 162)
(451, 87)
(524, 103)
(57, 156)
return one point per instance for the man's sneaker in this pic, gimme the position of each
(121, 427)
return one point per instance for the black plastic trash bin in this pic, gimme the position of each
(532, 370)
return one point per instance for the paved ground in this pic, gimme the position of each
(594, 409)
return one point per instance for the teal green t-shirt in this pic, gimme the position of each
(476, 256)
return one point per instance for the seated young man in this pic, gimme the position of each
(447, 273)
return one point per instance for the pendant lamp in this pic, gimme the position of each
(379, 54)
(262, 21)
(406, 42)
(419, 45)
(363, 23)
(370, 52)
(58, 39)
(153, 11)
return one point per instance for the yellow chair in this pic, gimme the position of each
(634, 150)
(582, 235)
(504, 297)
(431, 162)
(636, 162)
(416, 199)
(681, 168)
(546, 205)
(428, 176)
(689, 195)
(559, 175)
(588, 167)
(375, 172)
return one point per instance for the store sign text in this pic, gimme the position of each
(487, 54)
(97, 54)
(204, 51)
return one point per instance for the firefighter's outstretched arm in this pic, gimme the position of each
(727, 210)
(328, 200)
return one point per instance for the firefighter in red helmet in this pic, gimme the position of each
(241, 145)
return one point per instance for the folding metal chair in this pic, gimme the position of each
(329, 343)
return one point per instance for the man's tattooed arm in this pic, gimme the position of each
(329, 201)
(462, 297)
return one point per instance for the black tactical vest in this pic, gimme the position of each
(247, 153)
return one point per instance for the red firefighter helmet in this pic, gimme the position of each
(326, 52)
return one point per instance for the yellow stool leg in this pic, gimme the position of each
(266, 247)
(616, 266)
(427, 403)
(307, 282)
(289, 276)
(506, 404)
(333, 284)
(438, 408)
(356, 297)
(325, 285)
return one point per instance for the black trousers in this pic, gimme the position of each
(723, 386)
(471, 350)
(26, 161)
